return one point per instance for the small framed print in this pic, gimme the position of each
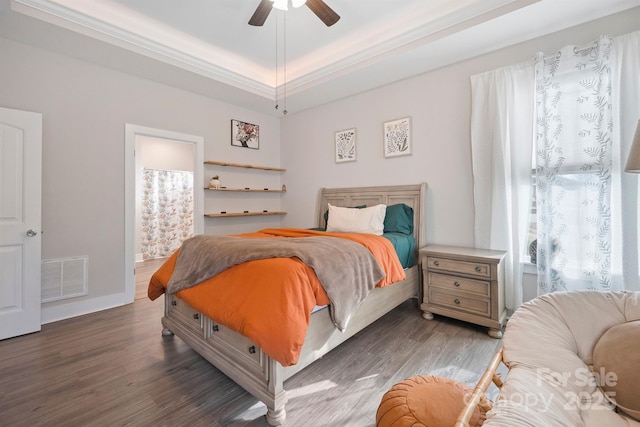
(397, 137)
(245, 134)
(345, 141)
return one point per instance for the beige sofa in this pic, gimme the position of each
(548, 347)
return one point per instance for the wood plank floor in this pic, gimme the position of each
(113, 368)
(144, 271)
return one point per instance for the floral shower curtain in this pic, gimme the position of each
(167, 211)
(574, 125)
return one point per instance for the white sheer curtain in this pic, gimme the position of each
(574, 125)
(625, 82)
(501, 145)
(587, 108)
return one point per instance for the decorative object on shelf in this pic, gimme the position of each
(345, 141)
(245, 134)
(397, 137)
(284, 187)
(214, 182)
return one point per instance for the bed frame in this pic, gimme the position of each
(246, 364)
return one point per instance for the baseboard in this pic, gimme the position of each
(54, 313)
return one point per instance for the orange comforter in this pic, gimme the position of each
(270, 300)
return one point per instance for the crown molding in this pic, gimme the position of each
(405, 45)
(303, 73)
(353, 58)
(84, 24)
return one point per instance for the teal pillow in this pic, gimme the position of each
(399, 219)
(326, 214)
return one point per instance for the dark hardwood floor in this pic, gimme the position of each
(113, 368)
(144, 271)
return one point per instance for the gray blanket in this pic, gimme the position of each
(346, 269)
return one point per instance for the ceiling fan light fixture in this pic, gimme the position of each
(280, 4)
(298, 3)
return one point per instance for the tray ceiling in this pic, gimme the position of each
(207, 46)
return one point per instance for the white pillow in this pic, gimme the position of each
(366, 220)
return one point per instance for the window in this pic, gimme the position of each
(573, 168)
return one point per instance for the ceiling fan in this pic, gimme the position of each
(319, 7)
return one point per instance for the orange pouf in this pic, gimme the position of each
(425, 401)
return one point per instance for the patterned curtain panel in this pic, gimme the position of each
(167, 211)
(573, 168)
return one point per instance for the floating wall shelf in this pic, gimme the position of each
(238, 165)
(247, 213)
(245, 190)
(256, 190)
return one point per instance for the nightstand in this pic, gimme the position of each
(464, 283)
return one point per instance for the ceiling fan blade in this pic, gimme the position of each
(261, 13)
(324, 12)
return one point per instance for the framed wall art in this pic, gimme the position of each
(345, 141)
(397, 137)
(245, 134)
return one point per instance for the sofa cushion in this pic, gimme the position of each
(616, 362)
(548, 347)
(557, 323)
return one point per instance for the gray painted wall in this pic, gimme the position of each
(85, 108)
(439, 103)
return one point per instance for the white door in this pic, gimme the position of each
(20, 216)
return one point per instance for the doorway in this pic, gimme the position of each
(159, 162)
(20, 222)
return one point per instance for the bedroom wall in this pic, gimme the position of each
(439, 103)
(85, 108)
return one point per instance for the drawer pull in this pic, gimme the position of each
(216, 328)
(196, 316)
(174, 302)
(457, 301)
(456, 284)
(478, 269)
(436, 263)
(252, 349)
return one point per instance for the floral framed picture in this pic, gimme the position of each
(245, 134)
(397, 137)
(345, 141)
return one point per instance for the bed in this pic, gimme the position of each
(245, 362)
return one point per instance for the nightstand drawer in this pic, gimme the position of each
(475, 306)
(452, 283)
(460, 267)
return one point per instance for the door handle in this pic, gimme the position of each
(31, 233)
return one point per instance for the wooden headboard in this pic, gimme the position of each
(411, 195)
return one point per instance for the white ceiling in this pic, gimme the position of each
(206, 46)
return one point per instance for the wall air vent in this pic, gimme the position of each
(64, 278)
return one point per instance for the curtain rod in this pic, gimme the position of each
(164, 170)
